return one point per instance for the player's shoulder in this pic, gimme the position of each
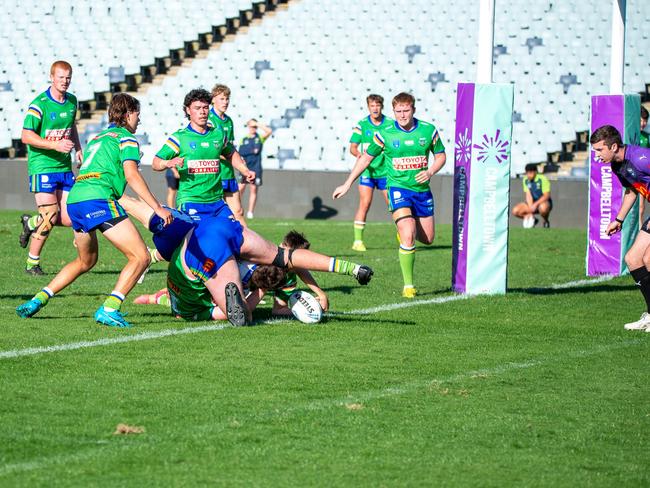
(71, 97)
(40, 99)
(423, 124)
(541, 178)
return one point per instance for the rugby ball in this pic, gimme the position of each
(305, 307)
(529, 222)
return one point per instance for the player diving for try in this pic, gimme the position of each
(405, 146)
(203, 277)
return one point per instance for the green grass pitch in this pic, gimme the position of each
(540, 387)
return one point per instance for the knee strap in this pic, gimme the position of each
(278, 260)
(48, 214)
(404, 217)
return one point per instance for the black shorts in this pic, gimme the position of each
(646, 225)
(172, 181)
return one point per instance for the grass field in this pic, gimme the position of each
(539, 387)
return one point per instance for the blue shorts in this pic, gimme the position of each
(420, 202)
(199, 211)
(230, 185)
(378, 183)
(91, 214)
(213, 242)
(51, 182)
(168, 238)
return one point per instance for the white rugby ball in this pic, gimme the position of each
(529, 222)
(305, 307)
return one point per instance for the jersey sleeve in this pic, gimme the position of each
(523, 182)
(170, 149)
(356, 135)
(33, 117)
(129, 149)
(437, 146)
(546, 185)
(376, 146)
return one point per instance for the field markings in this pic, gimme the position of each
(326, 403)
(32, 351)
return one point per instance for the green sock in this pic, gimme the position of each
(44, 295)
(33, 261)
(341, 266)
(33, 221)
(113, 301)
(358, 230)
(407, 263)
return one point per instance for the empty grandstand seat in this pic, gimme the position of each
(435, 78)
(533, 42)
(412, 50)
(567, 80)
(260, 66)
(284, 154)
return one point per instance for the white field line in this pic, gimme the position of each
(316, 405)
(32, 351)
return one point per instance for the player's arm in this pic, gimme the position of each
(77, 145)
(168, 156)
(310, 281)
(159, 164)
(266, 131)
(355, 141)
(629, 198)
(360, 165)
(528, 196)
(30, 137)
(439, 159)
(139, 186)
(240, 165)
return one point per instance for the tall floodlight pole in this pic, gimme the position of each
(617, 61)
(485, 42)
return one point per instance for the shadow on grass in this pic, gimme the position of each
(572, 289)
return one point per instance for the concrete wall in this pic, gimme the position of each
(307, 194)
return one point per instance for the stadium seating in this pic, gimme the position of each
(330, 55)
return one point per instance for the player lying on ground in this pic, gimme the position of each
(259, 279)
(630, 165)
(203, 263)
(405, 146)
(110, 163)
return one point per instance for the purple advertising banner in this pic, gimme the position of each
(462, 159)
(605, 192)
